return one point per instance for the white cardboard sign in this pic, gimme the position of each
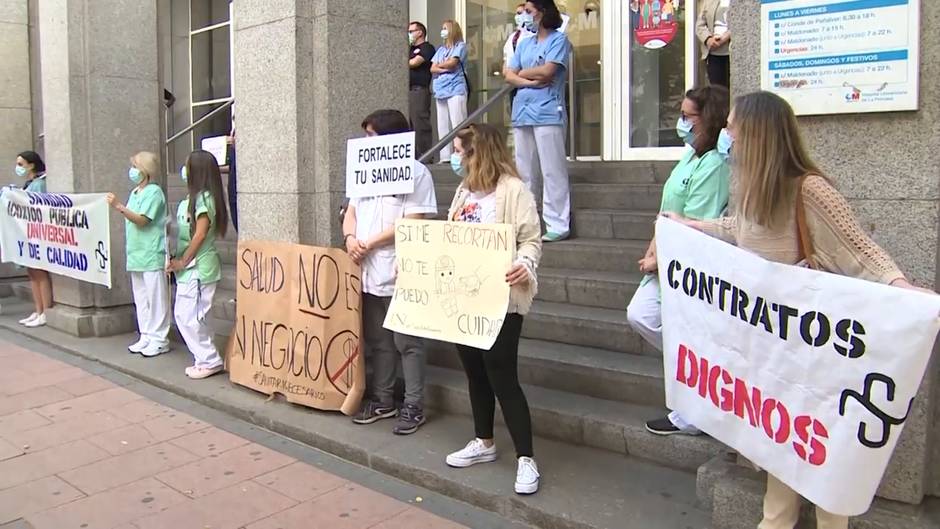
(380, 165)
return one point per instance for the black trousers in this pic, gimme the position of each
(419, 110)
(719, 70)
(494, 374)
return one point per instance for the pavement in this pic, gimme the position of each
(83, 446)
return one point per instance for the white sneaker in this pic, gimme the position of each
(154, 349)
(138, 346)
(29, 318)
(38, 321)
(527, 476)
(475, 452)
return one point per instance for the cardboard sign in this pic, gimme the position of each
(451, 283)
(298, 325)
(380, 165)
(809, 375)
(65, 234)
(217, 146)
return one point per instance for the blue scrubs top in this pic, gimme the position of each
(542, 106)
(451, 83)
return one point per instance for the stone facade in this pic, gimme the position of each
(888, 166)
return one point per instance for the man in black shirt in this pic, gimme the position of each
(419, 94)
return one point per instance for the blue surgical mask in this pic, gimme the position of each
(135, 175)
(725, 142)
(21, 171)
(444, 34)
(527, 21)
(184, 174)
(684, 130)
(456, 163)
(520, 19)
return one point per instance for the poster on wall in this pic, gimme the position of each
(655, 22)
(65, 234)
(841, 57)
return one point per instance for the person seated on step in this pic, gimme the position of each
(369, 235)
(145, 232)
(697, 188)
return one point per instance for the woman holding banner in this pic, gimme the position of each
(493, 192)
(201, 218)
(698, 189)
(788, 212)
(30, 166)
(145, 232)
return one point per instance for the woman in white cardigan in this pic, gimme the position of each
(493, 193)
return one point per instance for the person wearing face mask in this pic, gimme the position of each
(369, 235)
(698, 188)
(419, 93)
(450, 82)
(29, 165)
(539, 118)
(145, 232)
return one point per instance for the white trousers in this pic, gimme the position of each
(540, 158)
(193, 303)
(152, 299)
(782, 509)
(450, 112)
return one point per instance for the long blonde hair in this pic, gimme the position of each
(485, 157)
(454, 33)
(769, 159)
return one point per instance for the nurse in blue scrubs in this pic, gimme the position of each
(539, 69)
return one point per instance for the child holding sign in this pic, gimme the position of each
(201, 217)
(144, 228)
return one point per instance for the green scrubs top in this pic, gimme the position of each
(146, 245)
(208, 264)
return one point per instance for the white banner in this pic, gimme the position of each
(380, 165)
(809, 375)
(63, 234)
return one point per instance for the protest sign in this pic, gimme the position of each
(297, 325)
(65, 234)
(380, 165)
(810, 375)
(451, 283)
(217, 146)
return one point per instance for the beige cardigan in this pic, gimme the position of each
(841, 246)
(514, 205)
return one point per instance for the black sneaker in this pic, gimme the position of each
(662, 427)
(373, 411)
(410, 418)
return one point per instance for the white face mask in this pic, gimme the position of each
(445, 33)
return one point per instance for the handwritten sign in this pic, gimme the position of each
(451, 283)
(298, 325)
(380, 165)
(217, 146)
(65, 234)
(807, 374)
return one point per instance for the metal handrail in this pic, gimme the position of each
(483, 109)
(228, 102)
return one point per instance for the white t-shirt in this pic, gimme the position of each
(376, 214)
(479, 208)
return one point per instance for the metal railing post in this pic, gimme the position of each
(482, 109)
(572, 108)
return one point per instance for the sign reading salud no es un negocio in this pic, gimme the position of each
(380, 165)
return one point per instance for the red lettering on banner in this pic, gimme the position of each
(717, 386)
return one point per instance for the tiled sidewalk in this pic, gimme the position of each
(80, 452)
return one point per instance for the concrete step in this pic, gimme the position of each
(735, 495)
(584, 326)
(605, 255)
(586, 371)
(613, 224)
(630, 172)
(583, 421)
(644, 197)
(609, 290)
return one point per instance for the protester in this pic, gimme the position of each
(538, 70)
(419, 81)
(145, 234)
(30, 166)
(201, 218)
(450, 82)
(697, 188)
(779, 193)
(369, 235)
(512, 43)
(711, 28)
(492, 192)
